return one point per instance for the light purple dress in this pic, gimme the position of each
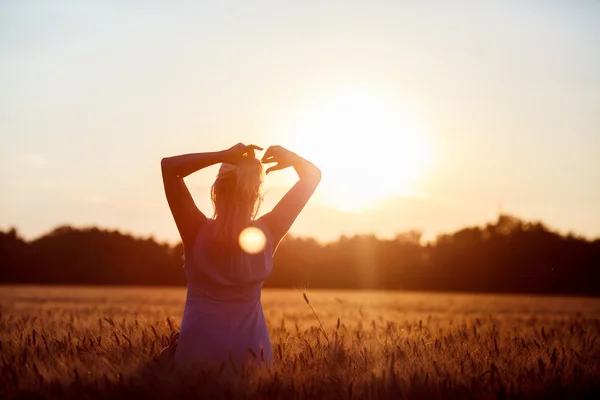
(223, 319)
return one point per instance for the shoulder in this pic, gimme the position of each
(199, 236)
(272, 234)
(263, 224)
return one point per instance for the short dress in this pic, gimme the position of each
(223, 319)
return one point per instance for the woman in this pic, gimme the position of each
(223, 318)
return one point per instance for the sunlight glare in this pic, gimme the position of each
(252, 240)
(366, 145)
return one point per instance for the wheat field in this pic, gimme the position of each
(104, 342)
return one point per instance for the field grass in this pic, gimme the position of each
(104, 343)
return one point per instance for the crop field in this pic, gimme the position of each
(104, 342)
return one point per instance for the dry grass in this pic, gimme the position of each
(103, 343)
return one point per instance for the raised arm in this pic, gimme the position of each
(283, 215)
(187, 216)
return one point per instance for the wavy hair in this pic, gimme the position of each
(236, 198)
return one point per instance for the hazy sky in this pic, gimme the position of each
(505, 97)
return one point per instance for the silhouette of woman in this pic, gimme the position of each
(223, 319)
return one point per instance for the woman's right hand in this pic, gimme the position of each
(280, 155)
(234, 154)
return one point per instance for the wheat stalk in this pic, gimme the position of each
(316, 316)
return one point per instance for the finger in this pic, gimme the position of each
(267, 154)
(250, 153)
(274, 168)
(268, 160)
(254, 147)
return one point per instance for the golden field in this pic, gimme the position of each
(104, 342)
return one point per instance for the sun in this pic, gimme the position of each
(367, 147)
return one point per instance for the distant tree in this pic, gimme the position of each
(508, 255)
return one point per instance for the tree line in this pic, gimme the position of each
(507, 256)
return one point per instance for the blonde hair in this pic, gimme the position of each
(236, 197)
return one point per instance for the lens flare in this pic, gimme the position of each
(252, 240)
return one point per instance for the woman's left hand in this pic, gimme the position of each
(234, 154)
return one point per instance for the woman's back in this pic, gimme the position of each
(232, 277)
(223, 317)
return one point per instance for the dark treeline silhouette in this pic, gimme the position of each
(507, 256)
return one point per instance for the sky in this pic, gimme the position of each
(429, 115)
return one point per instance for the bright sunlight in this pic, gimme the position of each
(366, 145)
(252, 240)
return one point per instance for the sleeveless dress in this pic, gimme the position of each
(223, 319)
